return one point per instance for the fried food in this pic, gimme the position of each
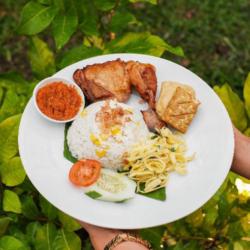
(143, 77)
(104, 80)
(113, 79)
(152, 120)
(177, 105)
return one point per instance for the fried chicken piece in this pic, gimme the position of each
(143, 77)
(104, 80)
(177, 105)
(152, 120)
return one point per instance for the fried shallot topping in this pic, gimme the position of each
(110, 117)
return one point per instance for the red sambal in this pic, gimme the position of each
(58, 101)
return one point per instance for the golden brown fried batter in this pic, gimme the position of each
(113, 79)
(104, 80)
(143, 77)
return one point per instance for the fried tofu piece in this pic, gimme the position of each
(104, 80)
(177, 105)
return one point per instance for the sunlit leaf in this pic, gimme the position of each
(47, 208)
(196, 218)
(4, 223)
(247, 132)
(29, 208)
(76, 54)
(12, 104)
(35, 17)
(11, 202)
(153, 235)
(64, 25)
(104, 5)
(68, 223)
(66, 241)
(12, 172)
(11, 243)
(234, 106)
(8, 137)
(41, 58)
(142, 43)
(246, 93)
(144, 1)
(45, 237)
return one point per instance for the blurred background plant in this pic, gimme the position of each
(40, 37)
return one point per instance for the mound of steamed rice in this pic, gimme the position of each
(87, 140)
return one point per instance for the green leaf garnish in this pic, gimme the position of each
(159, 194)
(93, 194)
(67, 154)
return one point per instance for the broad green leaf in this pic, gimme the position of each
(121, 20)
(41, 58)
(66, 241)
(144, 1)
(238, 246)
(35, 18)
(11, 243)
(8, 137)
(1, 96)
(76, 54)
(246, 93)
(89, 26)
(17, 232)
(45, 2)
(159, 194)
(4, 223)
(12, 172)
(234, 106)
(12, 104)
(11, 202)
(29, 208)
(142, 43)
(68, 223)
(47, 208)
(15, 82)
(66, 153)
(105, 5)
(153, 235)
(235, 231)
(211, 215)
(64, 25)
(31, 231)
(87, 244)
(45, 237)
(247, 132)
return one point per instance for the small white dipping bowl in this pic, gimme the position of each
(49, 80)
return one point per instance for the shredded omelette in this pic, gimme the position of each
(150, 161)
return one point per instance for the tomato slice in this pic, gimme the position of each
(85, 172)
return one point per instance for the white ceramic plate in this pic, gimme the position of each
(210, 136)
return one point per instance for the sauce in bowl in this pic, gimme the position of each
(58, 100)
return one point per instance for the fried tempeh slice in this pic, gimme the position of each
(143, 77)
(104, 80)
(177, 105)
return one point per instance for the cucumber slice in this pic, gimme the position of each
(111, 186)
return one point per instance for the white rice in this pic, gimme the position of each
(82, 130)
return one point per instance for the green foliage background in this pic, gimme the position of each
(51, 34)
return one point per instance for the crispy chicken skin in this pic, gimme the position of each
(143, 77)
(152, 120)
(113, 79)
(104, 80)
